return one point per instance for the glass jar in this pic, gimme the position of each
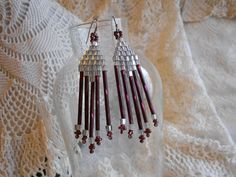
(120, 156)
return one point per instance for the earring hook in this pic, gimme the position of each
(95, 30)
(114, 19)
(117, 33)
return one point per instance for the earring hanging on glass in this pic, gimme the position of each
(128, 69)
(91, 68)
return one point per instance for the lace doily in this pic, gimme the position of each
(34, 46)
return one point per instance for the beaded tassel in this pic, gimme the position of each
(151, 107)
(147, 130)
(80, 106)
(91, 68)
(121, 104)
(91, 127)
(128, 104)
(125, 59)
(86, 110)
(138, 115)
(107, 105)
(98, 138)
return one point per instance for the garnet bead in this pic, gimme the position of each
(84, 138)
(130, 133)
(141, 138)
(109, 135)
(122, 128)
(155, 122)
(91, 148)
(147, 131)
(98, 140)
(77, 134)
(118, 34)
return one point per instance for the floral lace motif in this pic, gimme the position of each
(34, 46)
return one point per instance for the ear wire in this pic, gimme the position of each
(127, 62)
(117, 33)
(117, 29)
(95, 30)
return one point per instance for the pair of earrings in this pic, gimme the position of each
(128, 75)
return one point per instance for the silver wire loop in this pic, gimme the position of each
(95, 30)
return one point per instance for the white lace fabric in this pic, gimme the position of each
(35, 46)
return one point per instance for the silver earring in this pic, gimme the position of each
(91, 68)
(128, 69)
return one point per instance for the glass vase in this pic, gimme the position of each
(120, 156)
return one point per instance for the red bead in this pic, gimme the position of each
(141, 138)
(122, 128)
(77, 134)
(109, 135)
(98, 140)
(118, 34)
(84, 138)
(91, 148)
(130, 133)
(147, 132)
(155, 122)
(93, 37)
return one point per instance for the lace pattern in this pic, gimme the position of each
(34, 46)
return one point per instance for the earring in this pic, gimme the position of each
(126, 62)
(91, 68)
